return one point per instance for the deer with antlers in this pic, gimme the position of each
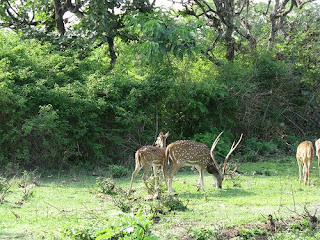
(304, 157)
(151, 156)
(191, 153)
(317, 143)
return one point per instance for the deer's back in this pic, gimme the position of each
(152, 154)
(305, 151)
(189, 152)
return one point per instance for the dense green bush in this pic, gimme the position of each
(58, 110)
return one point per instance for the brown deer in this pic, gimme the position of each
(317, 143)
(151, 156)
(304, 156)
(191, 153)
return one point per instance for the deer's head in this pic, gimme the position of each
(161, 139)
(213, 168)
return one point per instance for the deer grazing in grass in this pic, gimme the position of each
(304, 156)
(317, 143)
(151, 156)
(191, 153)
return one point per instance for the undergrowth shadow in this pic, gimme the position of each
(224, 193)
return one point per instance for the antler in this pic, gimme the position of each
(233, 147)
(212, 149)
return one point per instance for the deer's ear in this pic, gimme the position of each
(211, 169)
(167, 134)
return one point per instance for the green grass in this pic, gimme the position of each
(64, 202)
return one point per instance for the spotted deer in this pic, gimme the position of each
(151, 156)
(304, 156)
(317, 143)
(190, 153)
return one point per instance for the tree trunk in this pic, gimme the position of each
(229, 44)
(112, 52)
(58, 14)
(273, 21)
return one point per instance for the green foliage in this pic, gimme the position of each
(252, 233)
(118, 171)
(173, 203)
(202, 234)
(81, 232)
(4, 189)
(65, 108)
(105, 185)
(124, 226)
(254, 148)
(122, 202)
(224, 144)
(27, 182)
(300, 229)
(161, 34)
(128, 226)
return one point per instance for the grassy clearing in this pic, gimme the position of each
(70, 202)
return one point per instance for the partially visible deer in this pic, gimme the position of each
(151, 156)
(191, 153)
(318, 152)
(304, 156)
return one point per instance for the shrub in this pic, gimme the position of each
(4, 189)
(106, 185)
(173, 203)
(118, 171)
(124, 226)
(252, 233)
(202, 234)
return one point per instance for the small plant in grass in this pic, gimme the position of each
(262, 172)
(118, 171)
(82, 232)
(28, 192)
(105, 186)
(235, 181)
(5, 186)
(122, 202)
(29, 178)
(252, 233)
(79, 233)
(124, 226)
(173, 203)
(129, 226)
(27, 182)
(161, 188)
(202, 234)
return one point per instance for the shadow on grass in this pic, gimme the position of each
(221, 193)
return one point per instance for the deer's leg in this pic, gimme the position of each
(309, 170)
(305, 172)
(299, 165)
(145, 175)
(201, 183)
(173, 170)
(134, 174)
(155, 173)
(165, 174)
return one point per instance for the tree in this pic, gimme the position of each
(98, 20)
(277, 16)
(63, 6)
(227, 17)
